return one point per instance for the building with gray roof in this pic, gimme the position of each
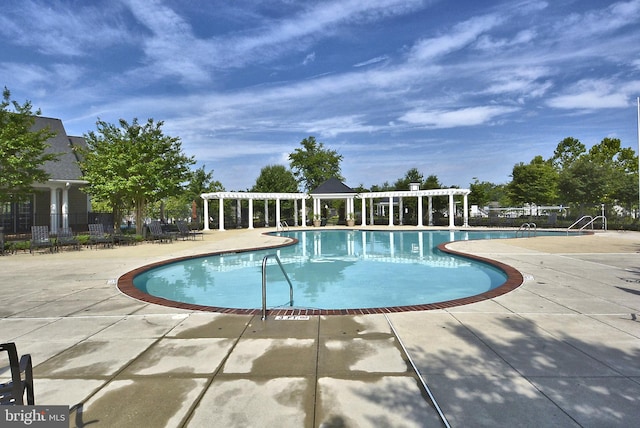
(59, 202)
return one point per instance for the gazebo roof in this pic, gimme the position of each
(332, 186)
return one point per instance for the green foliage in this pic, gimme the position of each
(411, 176)
(313, 164)
(133, 165)
(22, 151)
(431, 182)
(584, 182)
(384, 187)
(275, 179)
(181, 205)
(606, 174)
(536, 182)
(567, 152)
(483, 193)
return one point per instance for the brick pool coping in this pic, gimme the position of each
(126, 286)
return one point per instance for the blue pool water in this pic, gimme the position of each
(332, 269)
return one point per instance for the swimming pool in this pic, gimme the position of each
(333, 271)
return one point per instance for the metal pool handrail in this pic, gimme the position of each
(527, 227)
(264, 283)
(589, 223)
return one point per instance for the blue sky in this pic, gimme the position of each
(459, 89)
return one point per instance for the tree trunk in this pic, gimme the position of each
(140, 209)
(117, 217)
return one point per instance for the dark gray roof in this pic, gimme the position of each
(332, 185)
(66, 168)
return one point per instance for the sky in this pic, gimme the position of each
(462, 90)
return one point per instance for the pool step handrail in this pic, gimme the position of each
(589, 223)
(527, 227)
(283, 226)
(264, 283)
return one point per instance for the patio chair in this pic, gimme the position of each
(40, 238)
(97, 235)
(66, 238)
(185, 233)
(157, 234)
(13, 392)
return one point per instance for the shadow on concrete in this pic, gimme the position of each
(520, 375)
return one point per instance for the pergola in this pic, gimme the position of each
(349, 196)
(419, 194)
(252, 196)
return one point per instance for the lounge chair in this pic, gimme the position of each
(65, 237)
(97, 235)
(185, 233)
(157, 234)
(120, 238)
(40, 239)
(13, 392)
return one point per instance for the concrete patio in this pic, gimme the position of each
(561, 350)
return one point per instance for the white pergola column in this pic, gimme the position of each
(65, 206)
(390, 210)
(53, 210)
(452, 212)
(238, 213)
(206, 213)
(250, 213)
(266, 213)
(304, 212)
(465, 213)
(430, 208)
(295, 212)
(277, 212)
(400, 211)
(221, 214)
(371, 222)
(420, 212)
(363, 211)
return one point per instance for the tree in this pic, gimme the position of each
(431, 182)
(275, 178)
(183, 204)
(606, 174)
(584, 182)
(485, 192)
(134, 165)
(536, 182)
(567, 152)
(313, 164)
(23, 152)
(411, 176)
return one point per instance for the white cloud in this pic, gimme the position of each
(530, 82)
(459, 37)
(486, 42)
(372, 61)
(614, 17)
(591, 95)
(309, 58)
(59, 29)
(173, 49)
(333, 126)
(470, 116)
